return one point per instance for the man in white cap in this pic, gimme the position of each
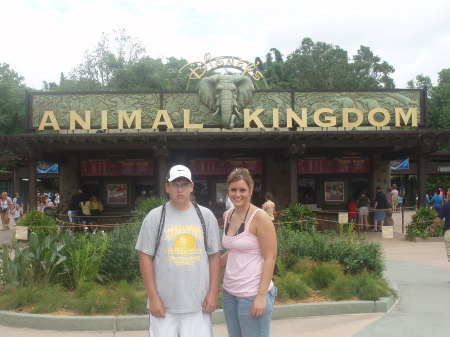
(179, 258)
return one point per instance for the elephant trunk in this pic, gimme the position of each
(227, 109)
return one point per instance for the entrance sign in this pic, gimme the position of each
(170, 111)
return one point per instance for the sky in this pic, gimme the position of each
(39, 39)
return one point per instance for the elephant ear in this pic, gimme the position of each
(206, 90)
(245, 90)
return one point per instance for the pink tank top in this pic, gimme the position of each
(244, 264)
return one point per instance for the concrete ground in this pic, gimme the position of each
(419, 270)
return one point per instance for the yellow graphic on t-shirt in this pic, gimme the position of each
(184, 241)
(184, 244)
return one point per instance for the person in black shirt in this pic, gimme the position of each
(380, 204)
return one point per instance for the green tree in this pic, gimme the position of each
(421, 82)
(439, 103)
(369, 72)
(323, 66)
(150, 74)
(12, 101)
(101, 65)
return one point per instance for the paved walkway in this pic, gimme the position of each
(419, 270)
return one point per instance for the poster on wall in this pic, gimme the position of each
(334, 191)
(116, 194)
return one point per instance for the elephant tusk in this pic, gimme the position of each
(236, 110)
(217, 111)
(233, 117)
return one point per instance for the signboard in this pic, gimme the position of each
(129, 167)
(332, 165)
(399, 164)
(46, 167)
(224, 167)
(151, 112)
(116, 194)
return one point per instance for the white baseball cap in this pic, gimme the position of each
(179, 171)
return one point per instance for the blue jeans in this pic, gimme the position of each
(238, 319)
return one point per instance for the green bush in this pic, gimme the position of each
(39, 223)
(370, 286)
(342, 289)
(323, 274)
(86, 258)
(355, 254)
(298, 217)
(146, 206)
(121, 260)
(291, 285)
(421, 222)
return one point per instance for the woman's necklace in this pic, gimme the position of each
(242, 226)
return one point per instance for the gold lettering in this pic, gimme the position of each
(257, 76)
(411, 114)
(374, 122)
(329, 121)
(250, 67)
(248, 118)
(74, 117)
(187, 123)
(275, 118)
(104, 120)
(291, 115)
(345, 117)
(240, 64)
(135, 116)
(219, 62)
(230, 61)
(52, 123)
(162, 118)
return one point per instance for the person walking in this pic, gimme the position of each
(250, 239)
(444, 213)
(437, 201)
(7, 207)
(179, 258)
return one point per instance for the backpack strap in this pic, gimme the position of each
(202, 220)
(162, 221)
(160, 228)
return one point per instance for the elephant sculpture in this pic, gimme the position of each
(226, 94)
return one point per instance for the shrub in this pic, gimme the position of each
(291, 286)
(85, 260)
(370, 287)
(298, 217)
(15, 267)
(421, 222)
(354, 254)
(323, 274)
(39, 223)
(146, 206)
(121, 261)
(342, 289)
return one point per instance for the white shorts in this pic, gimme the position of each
(364, 210)
(192, 324)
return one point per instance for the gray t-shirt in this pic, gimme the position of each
(181, 264)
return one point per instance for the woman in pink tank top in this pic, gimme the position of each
(250, 239)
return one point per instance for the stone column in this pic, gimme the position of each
(422, 159)
(294, 152)
(161, 154)
(32, 188)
